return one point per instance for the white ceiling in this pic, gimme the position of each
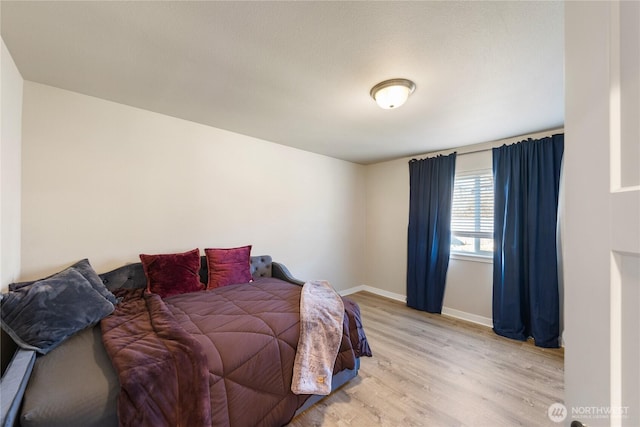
(299, 73)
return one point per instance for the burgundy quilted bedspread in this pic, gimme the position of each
(222, 357)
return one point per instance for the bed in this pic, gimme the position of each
(220, 357)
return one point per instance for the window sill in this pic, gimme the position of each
(471, 257)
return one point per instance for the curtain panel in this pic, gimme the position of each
(429, 235)
(525, 269)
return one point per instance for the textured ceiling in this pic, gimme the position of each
(299, 73)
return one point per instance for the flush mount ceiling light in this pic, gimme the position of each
(392, 93)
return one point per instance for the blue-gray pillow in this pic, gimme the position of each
(41, 316)
(84, 268)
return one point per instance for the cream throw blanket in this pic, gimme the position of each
(321, 320)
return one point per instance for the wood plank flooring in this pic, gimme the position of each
(431, 370)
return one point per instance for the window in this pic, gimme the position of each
(472, 216)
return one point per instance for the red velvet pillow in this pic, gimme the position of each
(228, 266)
(172, 274)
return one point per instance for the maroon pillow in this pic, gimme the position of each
(228, 266)
(172, 274)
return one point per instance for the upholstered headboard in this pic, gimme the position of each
(132, 276)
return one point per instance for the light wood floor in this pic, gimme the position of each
(430, 370)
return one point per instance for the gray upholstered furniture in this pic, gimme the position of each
(88, 343)
(132, 276)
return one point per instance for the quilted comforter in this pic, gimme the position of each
(225, 354)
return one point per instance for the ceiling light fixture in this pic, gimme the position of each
(392, 93)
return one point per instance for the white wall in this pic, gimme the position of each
(387, 201)
(468, 292)
(10, 167)
(108, 182)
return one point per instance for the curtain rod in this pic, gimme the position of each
(475, 151)
(454, 151)
(498, 143)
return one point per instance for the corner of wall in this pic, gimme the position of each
(11, 95)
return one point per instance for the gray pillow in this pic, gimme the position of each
(84, 268)
(41, 316)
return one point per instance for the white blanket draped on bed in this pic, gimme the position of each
(321, 317)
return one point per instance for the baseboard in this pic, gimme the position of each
(446, 311)
(469, 317)
(371, 289)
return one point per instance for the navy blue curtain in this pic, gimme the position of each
(525, 270)
(429, 238)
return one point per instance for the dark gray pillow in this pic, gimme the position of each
(84, 268)
(41, 316)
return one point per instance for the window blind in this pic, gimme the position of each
(472, 212)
